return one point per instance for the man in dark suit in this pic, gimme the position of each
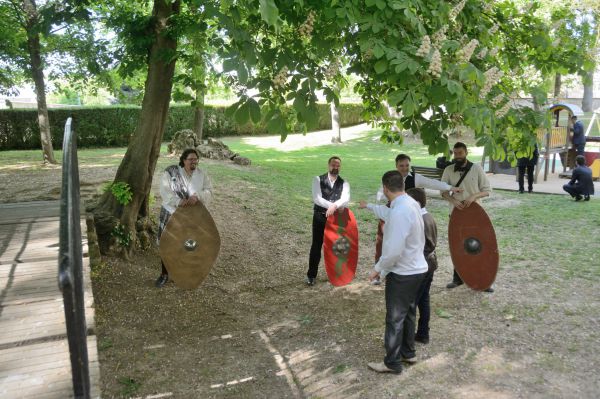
(578, 137)
(581, 185)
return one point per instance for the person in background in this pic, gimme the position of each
(581, 185)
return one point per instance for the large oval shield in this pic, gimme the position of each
(473, 246)
(189, 245)
(340, 247)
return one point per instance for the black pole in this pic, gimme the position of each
(70, 266)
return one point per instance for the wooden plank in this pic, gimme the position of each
(43, 370)
(34, 352)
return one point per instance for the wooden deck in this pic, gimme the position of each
(34, 351)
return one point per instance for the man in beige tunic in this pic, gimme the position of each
(474, 183)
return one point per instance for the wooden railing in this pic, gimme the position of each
(558, 138)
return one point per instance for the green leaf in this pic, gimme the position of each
(369, 3)
(396, 97)
(380, 4)
(229, 65)
(269, 12)
(277, 125)
(443, 314)
(242, 115)
(242, 74)
(381, 66)
(408, 106)
(454, 87)
(254, 109)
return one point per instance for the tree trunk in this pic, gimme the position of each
(557, 85)
(336, 136)
(139, 162)
(587, 104)
(37, 74)
(199, 114)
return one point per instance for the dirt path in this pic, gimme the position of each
(253, 330)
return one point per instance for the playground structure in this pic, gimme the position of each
(556, 139)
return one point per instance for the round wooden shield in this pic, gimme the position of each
(473, 246)
(340, 247)
(189, 245)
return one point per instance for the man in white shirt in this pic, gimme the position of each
(329, 192)
(411, 180)
(404, 267)
(474, 183)
(182, 185)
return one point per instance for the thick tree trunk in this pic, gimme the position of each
(137, 167)
(37, 74)
(199, 114)
(557, 85)
(588, 93)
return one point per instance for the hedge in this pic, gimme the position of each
(112, 126)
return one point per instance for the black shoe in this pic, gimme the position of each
(586, 198)
(454, 284)
(310, 281)
(490, 290)
(578, 197)
(423, 340)
(530, 190)
(161, 281)
(521, 191)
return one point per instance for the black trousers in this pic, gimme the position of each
(424, 306)
(318, 231)
(526, 165)
(574, 190)
(400, 305)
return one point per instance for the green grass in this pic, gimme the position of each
(549, 234)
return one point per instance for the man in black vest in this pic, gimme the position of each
(330, 192)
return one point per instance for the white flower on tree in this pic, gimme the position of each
(305, 30)
(425, 48)
(435, 67)
(280, 79)
(465, 53)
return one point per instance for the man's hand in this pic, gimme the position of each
(193, 200)
(183, 202)
(362, 204)
(469, 201)
(458, 204)
(374, 275)
(331, 210)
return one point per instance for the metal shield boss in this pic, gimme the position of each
(189, 245)
(473, 246)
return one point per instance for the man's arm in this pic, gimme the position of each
(394, 242)
(345, 197)
(484, 187)
(446, 194)
(166, 193)
(432, 184)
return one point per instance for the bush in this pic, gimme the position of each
(112, 126)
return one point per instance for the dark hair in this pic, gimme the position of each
(332, 158)
(460, 145)
(574, 117)
(418, 194)
(402, 157)
(393, 180)
(580, 159)
(185, 154)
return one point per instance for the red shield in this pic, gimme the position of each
(340, 247)
(473, 246)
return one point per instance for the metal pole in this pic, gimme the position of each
(70, 266)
